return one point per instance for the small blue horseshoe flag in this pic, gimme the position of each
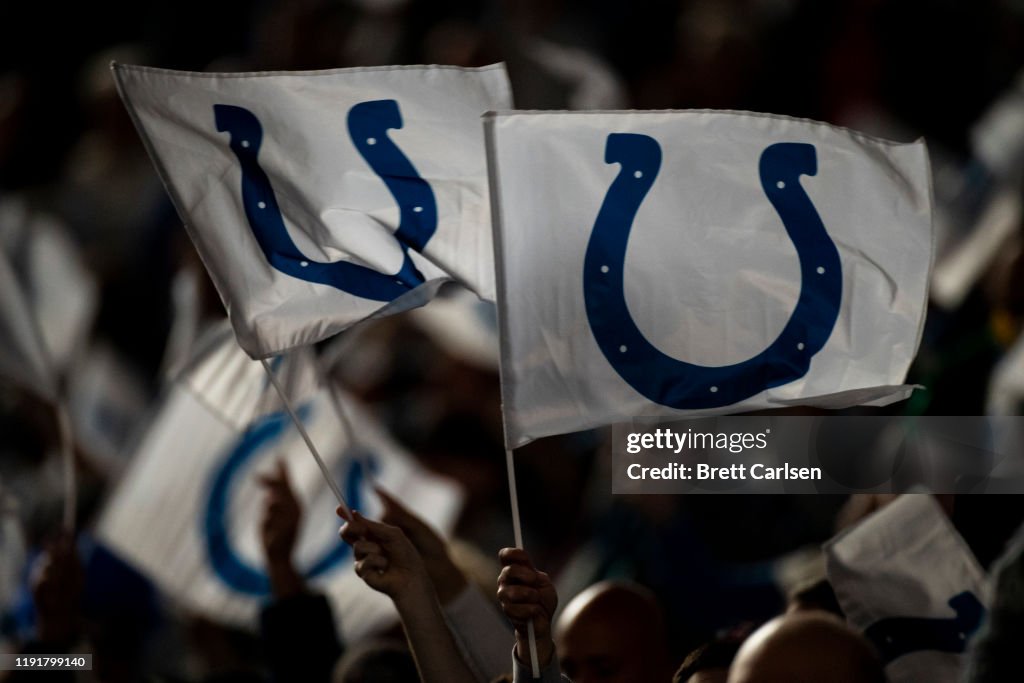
(188, 511)
(673, 263)
(909, 581)
(317, 199)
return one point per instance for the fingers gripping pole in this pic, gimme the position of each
(309, 442)
(517, 531)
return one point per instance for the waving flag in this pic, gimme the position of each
(23, 357)
(187, 511)
(318, 199)
(907, 579)
(663, 264)
(59, 289)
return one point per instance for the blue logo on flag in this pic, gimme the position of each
(232, 569)
(674, 382)
(898, 636)
(368, 126)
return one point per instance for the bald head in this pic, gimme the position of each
(806, 647)
(613, 631)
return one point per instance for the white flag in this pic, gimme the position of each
(672, 263)
(59, 289)
(187, 511)
(318, 199)
(906, 578)
(23, 357)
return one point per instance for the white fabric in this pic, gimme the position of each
(335, 207)
(61, 291)
(906, 560)
(157, 517)
(108, 401)
(711, 276)
(23, 357)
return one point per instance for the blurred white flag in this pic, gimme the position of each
(672, 263)
(318, 199)
(60, 289)
(23, 357)
(187, 511)
(906, 578)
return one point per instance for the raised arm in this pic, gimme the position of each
(279, 529)
(481, 632)
(295, 618)
(389, 563)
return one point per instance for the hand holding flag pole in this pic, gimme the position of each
(517, 531)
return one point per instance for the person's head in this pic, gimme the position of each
(613, 631)
(806, 647)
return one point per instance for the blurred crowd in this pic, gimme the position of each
(636, 588)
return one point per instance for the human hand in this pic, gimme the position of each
(447, 578)
(279, 529)
(386, 559)
(527, 595)
(57, 581)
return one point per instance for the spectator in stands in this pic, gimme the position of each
(806, 647)
(614, 631)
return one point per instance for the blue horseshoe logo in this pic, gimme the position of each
(674, 382)
(226, 563)
(368, 126)
(898, 636)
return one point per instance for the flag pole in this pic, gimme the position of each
(67, 451)
(309, 442)
(517, 532)
(503, 337)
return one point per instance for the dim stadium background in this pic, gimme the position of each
(897, 68)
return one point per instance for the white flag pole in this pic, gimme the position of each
(67, 451)
(517, 532)
(499, 265)
(309, 442)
